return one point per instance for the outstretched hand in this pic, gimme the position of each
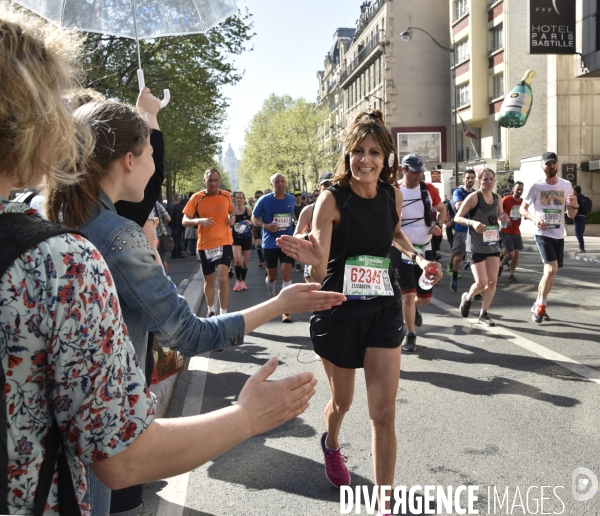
(306, 297)
(270, 404)
(309, 251)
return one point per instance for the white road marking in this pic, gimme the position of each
(173, 494)
(563, 361)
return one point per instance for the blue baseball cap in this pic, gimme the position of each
(413, 162)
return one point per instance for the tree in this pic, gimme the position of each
(194, 68)
(283, 138)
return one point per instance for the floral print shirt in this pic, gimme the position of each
(63, 344)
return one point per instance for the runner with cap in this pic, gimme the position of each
(304, 224)
(460, 231)
(419, 199)
(274, 213)
(511, 234)
(550, 198)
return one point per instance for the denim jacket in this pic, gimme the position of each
(148, 299)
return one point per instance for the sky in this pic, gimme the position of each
(292, 39)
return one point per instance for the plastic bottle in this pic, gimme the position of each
(517, 104)
(424, 283)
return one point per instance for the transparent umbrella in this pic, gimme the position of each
(135, 19)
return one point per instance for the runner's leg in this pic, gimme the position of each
(222, 272)
(382, 373)
(547, 282)
(514, 262)
(341, 384)
(491, 267)
(209, 289)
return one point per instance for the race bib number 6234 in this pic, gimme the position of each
(366, 277)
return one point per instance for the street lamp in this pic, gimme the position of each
(366, 97)
(406, 36)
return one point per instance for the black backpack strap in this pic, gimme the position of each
(19, 233)
(426, 204)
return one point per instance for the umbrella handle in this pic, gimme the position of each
(142, 84)
(165, 100)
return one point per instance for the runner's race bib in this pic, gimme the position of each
(552, 218)
(515, 214)
(406, 259)
(283, 220)
(491, 236)
(214, 254)
(366, 277)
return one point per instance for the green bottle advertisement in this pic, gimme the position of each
(517, 104)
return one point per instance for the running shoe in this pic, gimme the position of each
(261, 265)
(512, 278)
(418, 317)
(298, 268)
(485, 319)
(454, 285)
(465, 305)
(231, 272)
(507, 266)
(479, 297)
(449, 270)
(410, 342)
(211, 314)
(238, 286)
(287, 318)
(335, 465)
(538, 313)
(580, 250)
(466, 265)
(243, 285)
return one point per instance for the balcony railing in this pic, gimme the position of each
(361, 56)
(495, 49)
(496, 150)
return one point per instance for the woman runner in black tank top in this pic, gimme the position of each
(483, 243)
(354, 224)
(242, 241)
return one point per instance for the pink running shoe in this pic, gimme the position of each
(335, 465)
(243, 285)
(238, 286)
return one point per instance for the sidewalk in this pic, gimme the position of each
(592, 247)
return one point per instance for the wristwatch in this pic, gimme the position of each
(415, 254)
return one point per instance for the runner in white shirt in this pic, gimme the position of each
(419, 198)
(550, 199)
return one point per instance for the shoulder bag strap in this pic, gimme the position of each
(18, 233)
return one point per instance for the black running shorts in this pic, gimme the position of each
(551, 249)
(210, 268)
(273, 256)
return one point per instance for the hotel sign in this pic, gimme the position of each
(552, 26)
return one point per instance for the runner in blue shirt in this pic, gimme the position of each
(274, 212)
(460, 232)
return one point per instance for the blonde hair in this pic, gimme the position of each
(117, 129)
(38, 62)
(367, 122)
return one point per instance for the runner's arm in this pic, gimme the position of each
(467, 205)
(303, 220)
(525, 213)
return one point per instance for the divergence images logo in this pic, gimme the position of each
(584, 485)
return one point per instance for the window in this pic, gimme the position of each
(462, 50)
(497, 42)
(463, 95)
(460, 8)
(498, 85)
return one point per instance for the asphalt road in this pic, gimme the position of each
(500, 409)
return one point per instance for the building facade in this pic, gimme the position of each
(371, 67)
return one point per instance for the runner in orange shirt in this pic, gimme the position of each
(212, 211)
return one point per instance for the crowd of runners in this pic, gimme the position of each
(84, 292)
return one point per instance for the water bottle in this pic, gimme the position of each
(517, 104)
(424, 283)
